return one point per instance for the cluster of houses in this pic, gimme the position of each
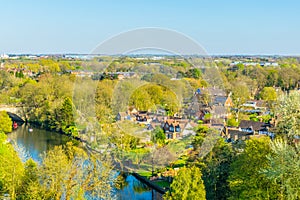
(213, 112)
(97, 76)
(263, 64)
(211, 106)
(246, 130)
(174, 127)
(18, 71)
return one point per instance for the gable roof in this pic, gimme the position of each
(255, 125)
(239, 134)
(219, 110)
(220, 100)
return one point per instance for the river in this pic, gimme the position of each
(33, 144)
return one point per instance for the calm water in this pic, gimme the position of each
(33, 144)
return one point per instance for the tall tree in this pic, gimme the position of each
(30, 188)
(268, 94)
(288, 115)
(5, 122)
(245, 180)
(215, 170)
(188, 184)
(284, 169)
(68, 172)
(11, 169)
(158, 135)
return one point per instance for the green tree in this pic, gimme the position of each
(240, 94)
(245, 180)
(288, 115)
(66, 115)
(193, 73)
(141, 100)
(69, 171)
(188, 184)
(30, 188)
(268, 94)
(158, 135)
(284, 169)
(11, 169)
(201, 132)
(215, 170)
(232, 122)
(5, 122)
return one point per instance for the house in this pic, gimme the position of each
(142, 116)
(121, 76)
(218, 106)
(223, 101)
(217, 124)
(233, 134)
(161, 111)
(132, 111)
(246, 130)
(81, 73)
(258, 128)
(220, 112)
(123, 116)
(251, 126)
(189, 129)
(296, 139)
(255, 104)
(266, 131)
(171, 128)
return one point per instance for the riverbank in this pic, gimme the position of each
(38, 141)
(141, 178)
(149, 183)
(116, 164)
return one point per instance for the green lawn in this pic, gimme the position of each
(146, 174)
(162, 183)
(179, 146)
(134, 129)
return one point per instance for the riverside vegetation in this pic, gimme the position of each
(259, 168)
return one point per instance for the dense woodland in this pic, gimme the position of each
(258, 168)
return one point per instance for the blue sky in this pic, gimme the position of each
(221, 27)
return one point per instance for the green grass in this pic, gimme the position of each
(162, 183)
(134, 129)
(179, 146)
(146, 174)
(179, 163)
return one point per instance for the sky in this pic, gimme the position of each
(220, 27)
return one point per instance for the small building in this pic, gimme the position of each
(233, 134)
(123, 116)
(255, 104)
(171, 128)
(142, 116)
(251, 126)
(223, 101)
(132, 111)
(189, 129)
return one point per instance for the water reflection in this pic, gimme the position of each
(31, 144)
(37, 141)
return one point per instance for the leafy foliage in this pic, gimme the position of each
(245, 180)
(5, 122)
(158, 135)
(288, 112)
(284, 169)
(11, 169)
(188, 184)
